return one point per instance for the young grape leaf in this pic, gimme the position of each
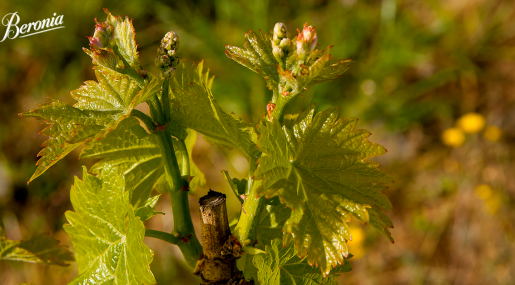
(281, 265)
(193, 106)
(38, 249)
(147, 211)
(116, 33)
(134, 152)
(137, 155)
(258, 57)
(198, 179)
(238, 186)
(271, 223)
(320, 68)
(185, 75)
(316, 165)
(246, 266)
(106, 234)
(100, 108)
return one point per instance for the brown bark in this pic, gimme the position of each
(220, 249)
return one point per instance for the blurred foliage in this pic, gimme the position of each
(420, 66)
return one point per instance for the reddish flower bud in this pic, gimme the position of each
(306, 42)
(103, 36)
(270, 108)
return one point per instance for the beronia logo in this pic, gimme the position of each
(14, 30)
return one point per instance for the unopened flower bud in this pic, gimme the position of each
(278, 52)
(95, 42)
(285, 45)
(306, 42)
(166, 59)
(280, 42)
(269, 109)
(103, 36)
(280, 31)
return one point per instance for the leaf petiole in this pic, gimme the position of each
(144, 118)
(169, 238)
(129, 70)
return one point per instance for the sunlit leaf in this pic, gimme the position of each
(137, 155)
(257, 56)
(106, 234)
(134, 152)
(99, 109)
(123, 39)
(317, 166)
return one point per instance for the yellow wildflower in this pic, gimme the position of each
(471, 123)
(453, 137)
(492, 133)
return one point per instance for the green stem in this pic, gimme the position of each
(156, 111)
(252, 207)
(280, 102)
(129, 70)
(173, 173)
(189, 243)
(144, 118)
(278, 112)
(181, 147)
(169, 238)
(165, 100)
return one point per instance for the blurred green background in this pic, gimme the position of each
(420, 66)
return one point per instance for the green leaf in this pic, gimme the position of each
(106, 234)
(125, 37)
(271, 223)
(246, 266)
(147, 211)
(320, 68)
(134, 152)
(198, 180)
(152, 88)
(281, 265)
(137, 155)
(186, 75)
(100, 107)
(257, 56)
(238, 186)
(194, 107)
(122, 39)
(316, 165)
(38, 249)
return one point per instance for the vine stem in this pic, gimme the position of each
(253, 205)
(178, 187)
(280, 101)
(245, 230)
